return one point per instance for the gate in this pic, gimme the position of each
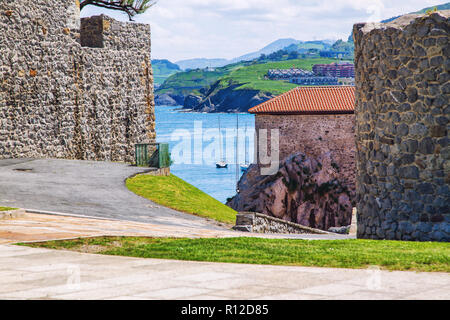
(154, 155)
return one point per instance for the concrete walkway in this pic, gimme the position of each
(90, 188)
(41, 227)
(30, 273)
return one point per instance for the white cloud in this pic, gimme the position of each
(183, 29)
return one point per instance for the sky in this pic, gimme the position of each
(185, 29)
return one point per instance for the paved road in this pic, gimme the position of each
(90, 188)
(29, 273)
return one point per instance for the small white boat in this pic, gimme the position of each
(221, 164)
(246, 165)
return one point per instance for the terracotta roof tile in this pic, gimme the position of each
(323, 99)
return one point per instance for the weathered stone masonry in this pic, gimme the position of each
(315, 135)
(402, 120)
(71, 88)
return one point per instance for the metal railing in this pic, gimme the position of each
(154, 155)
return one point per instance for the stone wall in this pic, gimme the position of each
(261, 223)
(69, 88)
(315, 135)
(402, 117)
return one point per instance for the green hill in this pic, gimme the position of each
(235, 87)
(305, 46)
(192, 81)
(445, 6)
(162, 69)
(247, 86)
(252, 77)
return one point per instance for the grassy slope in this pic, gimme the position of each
(445, 6)
(175, 193)
(7, 208)
(391, 255)
(163, 70)
(191, 81)
(252, 77)
(245, 75)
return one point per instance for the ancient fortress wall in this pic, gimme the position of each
(402, 120)
(69, 88)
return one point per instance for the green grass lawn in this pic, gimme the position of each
(175, 193)
(7, 208)
(390, 255)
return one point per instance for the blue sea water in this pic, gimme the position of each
(195, 148)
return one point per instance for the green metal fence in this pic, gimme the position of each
(154, 155)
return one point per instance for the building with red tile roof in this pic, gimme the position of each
(313, 120)
(310, 100)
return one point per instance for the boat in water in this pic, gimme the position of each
(246, 165)
(221, 164)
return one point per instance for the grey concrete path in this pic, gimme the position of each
(30, 273)
(95, 189)
(90, 188)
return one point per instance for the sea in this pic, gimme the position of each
(196, 144)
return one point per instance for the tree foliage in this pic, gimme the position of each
(130, 7)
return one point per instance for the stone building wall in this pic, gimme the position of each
(402, 120)
(315, 135)
(71, 88)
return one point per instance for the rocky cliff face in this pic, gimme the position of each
(226, 100)
(304, 190)
(167, 99)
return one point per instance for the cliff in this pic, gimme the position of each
(305, 190)
(226, 100)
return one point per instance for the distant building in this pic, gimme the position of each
(283, 74)
(321, 75)
(334, 54)
(340, 70)
(315, 81)
(314, 120)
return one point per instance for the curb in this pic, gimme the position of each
(62, 214)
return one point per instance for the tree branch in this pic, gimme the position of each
(130, 7)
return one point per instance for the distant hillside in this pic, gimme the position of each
(270, 48)
(445, 6)
(162, 69)
(303, 47)
(187, 82)
(246, 86)
(202, 63)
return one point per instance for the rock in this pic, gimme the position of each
(340, 230)
(164, 100)
(168, 99)
(304, 190)
(230, 99)
(243, 228)
(192, 101)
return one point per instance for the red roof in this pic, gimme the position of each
(311, 100)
